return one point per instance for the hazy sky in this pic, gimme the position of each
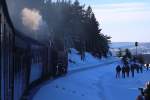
(124, 20)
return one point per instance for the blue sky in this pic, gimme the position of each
(124, 20)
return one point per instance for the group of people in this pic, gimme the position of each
(128, 68)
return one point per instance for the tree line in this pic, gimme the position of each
(73, 25)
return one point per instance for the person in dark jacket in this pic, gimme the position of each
(147, 66)
(132, 69)
(54, 58)
(137, 68)
(127, 70)
(123, 72)
(140, 97)
(147, 91)
(118, 70)
(141, 68)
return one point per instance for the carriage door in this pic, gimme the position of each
(22, 66)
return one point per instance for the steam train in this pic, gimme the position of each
(20, 54)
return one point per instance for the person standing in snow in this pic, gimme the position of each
(132, 69)
(137, 68)
(118, 70)
(127, 70)
(54, 58)
(123, 72)
(141, 68)
(147, 66)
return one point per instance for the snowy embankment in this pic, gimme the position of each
(89, 61)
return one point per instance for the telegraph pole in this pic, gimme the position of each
(136, 45)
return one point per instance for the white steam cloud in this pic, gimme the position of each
(31, 19)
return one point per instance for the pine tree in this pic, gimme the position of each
(75, 27)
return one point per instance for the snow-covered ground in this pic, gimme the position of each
(89, 61)
(93, 84)
(96, 82)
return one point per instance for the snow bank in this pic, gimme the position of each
(89, 61)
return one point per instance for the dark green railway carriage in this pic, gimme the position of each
(18, 53)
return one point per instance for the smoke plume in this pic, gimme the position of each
(31, 19)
